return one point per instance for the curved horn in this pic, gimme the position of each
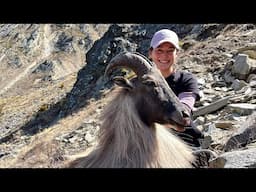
(133, 60)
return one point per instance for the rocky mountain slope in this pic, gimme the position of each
(52, 87)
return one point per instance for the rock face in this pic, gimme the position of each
(52, 89)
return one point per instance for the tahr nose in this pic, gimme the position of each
(185, 113)
(186, 118)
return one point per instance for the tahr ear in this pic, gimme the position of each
(123, 82)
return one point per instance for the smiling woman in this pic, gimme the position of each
(163, 51)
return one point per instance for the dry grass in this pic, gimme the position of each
(33, 100)
(43, 150)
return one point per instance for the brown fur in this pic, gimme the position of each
(126, 142)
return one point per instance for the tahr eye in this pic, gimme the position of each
(150, 83)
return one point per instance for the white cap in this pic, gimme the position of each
(165, 35)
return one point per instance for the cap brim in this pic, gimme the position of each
(169, 41)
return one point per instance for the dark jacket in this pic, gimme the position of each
(183, 81)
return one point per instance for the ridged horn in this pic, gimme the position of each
(132, 60)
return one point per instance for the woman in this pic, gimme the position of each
(164, 48)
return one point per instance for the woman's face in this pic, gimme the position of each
(164, 56)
